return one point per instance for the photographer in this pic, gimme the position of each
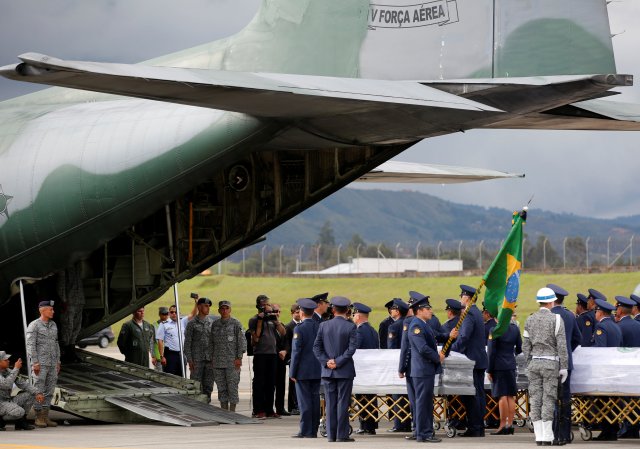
(264, 327)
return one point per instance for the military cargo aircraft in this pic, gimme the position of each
(125, 179)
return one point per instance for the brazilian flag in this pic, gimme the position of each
(502, 279)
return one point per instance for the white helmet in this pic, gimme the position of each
(546, 295)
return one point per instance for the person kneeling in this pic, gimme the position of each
(15, 408)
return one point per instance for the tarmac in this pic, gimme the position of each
(77, 433)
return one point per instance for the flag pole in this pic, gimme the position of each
(463, 315)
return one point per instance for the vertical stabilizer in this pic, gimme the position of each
(402, 39)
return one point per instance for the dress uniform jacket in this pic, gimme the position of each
(630, 329)
(571, 330)
(434, 324)
(446, 328)
(367, 337)
(304, 364)
(404, 365)
(502, 351)
(488, 327)
(394, 337)
(336, 339)
(586, 324)
(470, 341)
(607, 334)
(383, 331)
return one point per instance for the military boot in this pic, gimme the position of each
(40, 422)
(47, 421)
(232, 407)
(23, 424)
(224, 405)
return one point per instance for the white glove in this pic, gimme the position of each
(563, 374)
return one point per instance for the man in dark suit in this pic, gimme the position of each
(562, 417)
(367, 338)
(334, 348)
(292, 401)
(304, 370)
(470, 342)
(425, 364)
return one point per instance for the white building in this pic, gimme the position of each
(370, 265)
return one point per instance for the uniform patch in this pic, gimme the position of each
(295, 335)
(416, 331)
(490, 337)
(599, 332)
(390, 335)
(404, 328)
(587, 323)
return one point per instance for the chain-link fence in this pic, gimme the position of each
(539, 253)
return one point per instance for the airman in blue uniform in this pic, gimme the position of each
(425, 364)
(394, 341)
(383, 329)
(489, 323)
(453, 309)
(630, 338)
(322, 307)
(636, 308)
(607, 335)
(562, 417)
(470, 342)
(584, 320)
(367, 338)
(304, 370)
(630, 328)
(334, 347)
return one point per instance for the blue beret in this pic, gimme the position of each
(362, 308)
(467, 290)
(45, 304)
(558, 290)
(320, 297)
(306, 303)
(595, 294)
(453, 304)
(421, 303)
(636, 298)
(601, 304)
(625, 302)
(206, 301)
(390, 304)
(340, 301)
(581, 298)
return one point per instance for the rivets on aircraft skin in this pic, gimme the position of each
(4, 202)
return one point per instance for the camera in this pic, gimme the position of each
(194, 295)
(267, 316)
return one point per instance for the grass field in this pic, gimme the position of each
(375, 292)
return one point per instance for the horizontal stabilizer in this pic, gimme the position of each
(414, 173)
(258, 94)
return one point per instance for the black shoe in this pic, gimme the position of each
(512, 431)
(365, 432)
(394, 430)
(558, 443)
(472, 434)
(432, 439)
(297, 435)
(22, 424)
(295, 412)
(283, 413)
(410, 437)
(502, 431)
(345, 440)
(545, 443)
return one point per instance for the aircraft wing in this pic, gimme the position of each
(259, 94)
(414, 173)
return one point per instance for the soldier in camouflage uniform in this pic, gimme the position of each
(15, 408)
(228, 343)
(44, 353)
(545, 350)
(197, 347)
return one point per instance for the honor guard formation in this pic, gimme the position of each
(318, 345)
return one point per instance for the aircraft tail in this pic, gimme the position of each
(403, 39)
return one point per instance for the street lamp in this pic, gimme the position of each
(418, 257)
(262, 258)
(397, 246)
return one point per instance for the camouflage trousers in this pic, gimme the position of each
(543, 389)
(203, 372)
(46, 384)
(227, 380)
(17, 407)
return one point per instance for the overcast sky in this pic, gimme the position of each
(586, 173)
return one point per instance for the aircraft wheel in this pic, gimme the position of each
(103, 342)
